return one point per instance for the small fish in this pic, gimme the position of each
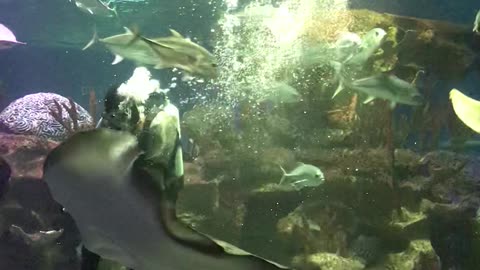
(167, 52)
(96, 7)
(125, 210)
(476, 23)
(388, 87)
(467, 109)
(281, 93)
(304, 175)
(7, 38)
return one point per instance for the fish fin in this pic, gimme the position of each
(339, 89)
(135, 32)
(175, 33)
(300, 181)
(90, 11)
(117, 59)
(99, 123)
(128, 31)
(115, 13)
(369, 99)
(93, 40)
(393, 104)
(284, 174)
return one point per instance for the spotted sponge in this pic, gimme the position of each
(32, 115)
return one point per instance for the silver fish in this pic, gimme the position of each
(476, 23)
(187, 55)
(96, 7)
(388, 87)
(346, 46)
(167, 52)
(304, 175)
(371, 42)
(348, 65)
(281, 93)
(124, 212)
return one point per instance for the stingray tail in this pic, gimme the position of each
(93, 40)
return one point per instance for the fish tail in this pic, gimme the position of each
(93, 40)
(337, 66)
(284, 173)
(114, 9)
(339, 88)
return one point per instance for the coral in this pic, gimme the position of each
(32, 115)
(71, 124)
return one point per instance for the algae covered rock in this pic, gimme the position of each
(419, 256)
(323, 261)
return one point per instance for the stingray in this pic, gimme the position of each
(7, 38)
(124, 212)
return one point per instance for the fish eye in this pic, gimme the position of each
(214, 65)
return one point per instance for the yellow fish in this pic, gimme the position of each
(467, 109)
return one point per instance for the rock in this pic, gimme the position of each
(5, 173)
(419, 256)
(431, 38)
(323, 261)
(25, 154)
(193, 174)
